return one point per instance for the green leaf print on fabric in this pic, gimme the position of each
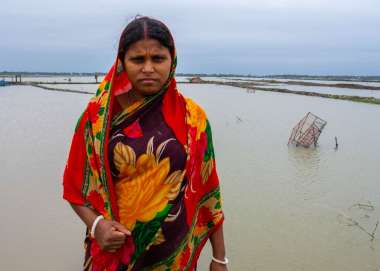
(101, 111)
(210, 148)
(144, 233)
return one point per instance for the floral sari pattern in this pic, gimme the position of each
(145, 186)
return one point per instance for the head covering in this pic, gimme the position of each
(87, 178)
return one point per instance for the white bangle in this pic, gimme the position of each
(96, 221)
(224, 262)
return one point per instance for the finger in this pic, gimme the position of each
(117, 236)
(121, 228)
(116, 243)
(113, 248)
(110, 242)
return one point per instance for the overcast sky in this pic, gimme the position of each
(242, 37)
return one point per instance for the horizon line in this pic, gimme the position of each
(10, 73)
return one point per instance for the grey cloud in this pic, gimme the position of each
(283, 36)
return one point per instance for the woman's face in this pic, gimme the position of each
(147, 63)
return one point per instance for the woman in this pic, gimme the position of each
(141, 170)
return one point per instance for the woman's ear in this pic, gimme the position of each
(120, 66)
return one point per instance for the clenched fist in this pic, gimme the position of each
(110, 235)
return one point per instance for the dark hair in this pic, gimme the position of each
(145, 28)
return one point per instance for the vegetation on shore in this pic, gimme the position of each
(250, 86)
(351, 85)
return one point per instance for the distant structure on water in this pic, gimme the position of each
(307, 131)
(3, 83)
(196, 80)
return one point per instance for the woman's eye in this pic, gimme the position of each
(137, 59)
(158, 58)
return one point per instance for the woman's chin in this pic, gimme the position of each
(148, 91)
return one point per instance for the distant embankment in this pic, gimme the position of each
(314, 84)
(39, 85)
(249, 85)
(62, 83)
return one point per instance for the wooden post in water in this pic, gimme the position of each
(18, 78)
(336, 143)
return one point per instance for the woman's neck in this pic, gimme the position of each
(128, 99)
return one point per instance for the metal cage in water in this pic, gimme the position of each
(307, 131)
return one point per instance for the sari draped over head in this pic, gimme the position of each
(188, 197)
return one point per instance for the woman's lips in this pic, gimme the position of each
(148, 81)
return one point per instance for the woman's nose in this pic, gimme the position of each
(148, 67)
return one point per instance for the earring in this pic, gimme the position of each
(119, 67)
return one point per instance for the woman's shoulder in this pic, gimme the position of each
(196, 115)
(193, 107)
(85, 116)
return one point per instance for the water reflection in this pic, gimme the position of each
(305, 162)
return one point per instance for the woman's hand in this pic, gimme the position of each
(218, 266)
(110, 235)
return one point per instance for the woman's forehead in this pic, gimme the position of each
(147, 45)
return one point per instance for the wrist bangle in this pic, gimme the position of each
(96, 221)
(224, 262)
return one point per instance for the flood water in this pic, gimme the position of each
(286, 208)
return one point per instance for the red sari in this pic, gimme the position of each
(165, 190)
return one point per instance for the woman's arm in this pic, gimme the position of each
(218, 249)
(87, 215)
(110, 235)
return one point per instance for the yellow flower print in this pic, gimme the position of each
(145, 186)
(196, 117)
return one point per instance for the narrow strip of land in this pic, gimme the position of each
(252, 86)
